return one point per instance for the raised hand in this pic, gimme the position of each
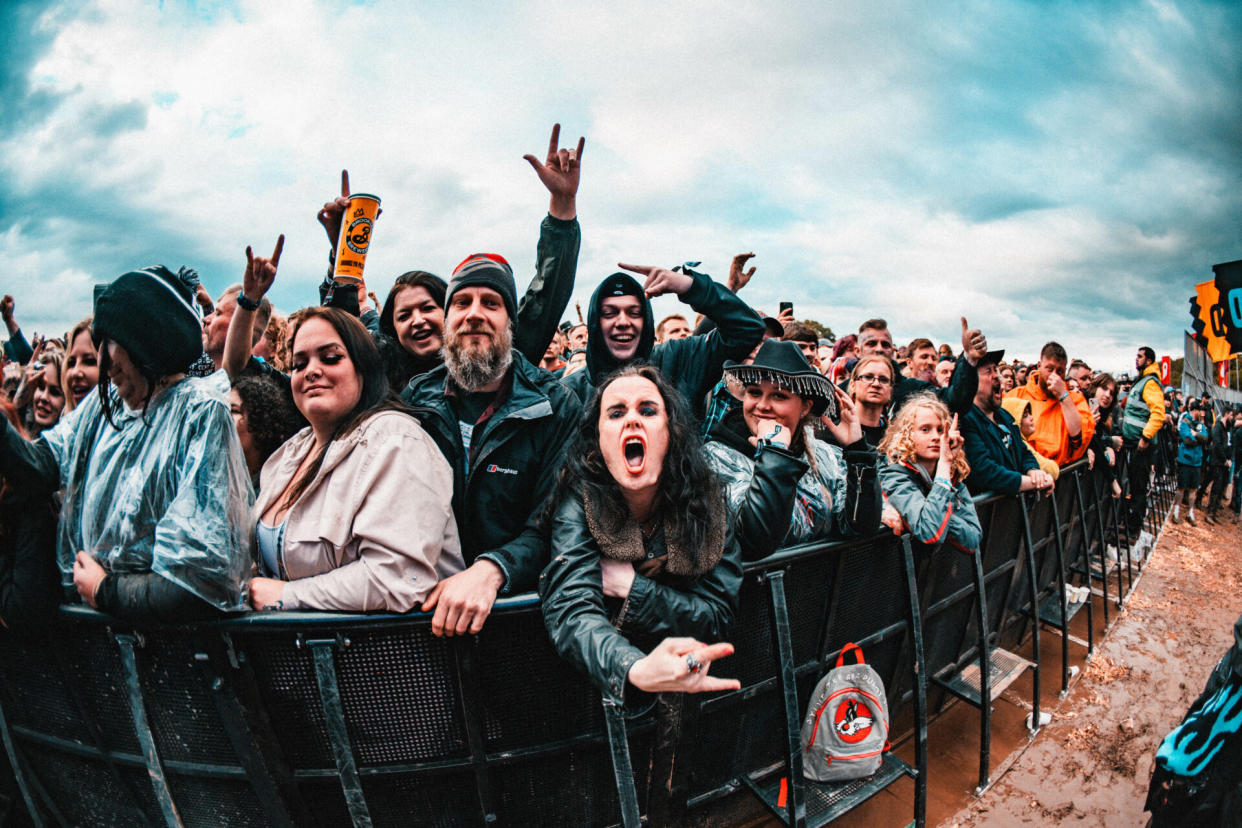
(1055, 384)
(849, 430)
(955, 436)
(559, 173)
(671, 668)
(739, 278)
(261, 272)
(330, 215)
(974, 343)
(785, 317)
(659, 280)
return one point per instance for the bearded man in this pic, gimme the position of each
(502, 423)
(999, 459)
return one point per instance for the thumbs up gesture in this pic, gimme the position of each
(974, 343)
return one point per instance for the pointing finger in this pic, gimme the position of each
(344, 183)
(581, 146)
(280, 245)
(249, 258)
(711, 684)
(645, 270)
(534, 162)
(714, 652)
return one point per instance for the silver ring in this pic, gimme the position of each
(692, 663)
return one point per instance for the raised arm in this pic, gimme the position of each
(556, 264)
(256, 281)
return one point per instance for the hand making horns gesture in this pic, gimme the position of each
(560, 173)
(261, 272)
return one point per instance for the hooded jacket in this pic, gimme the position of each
(996, 452)
(1016, 407)
(514, 459)
(692, 365)
(1052, 438)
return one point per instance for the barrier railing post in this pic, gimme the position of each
(920, 686)
(1033, 593)
(323, 657)
(787, 680)
(146, 739)
(19, 771)
(622, 769)
(463, 652)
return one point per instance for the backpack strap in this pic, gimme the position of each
(855, 649)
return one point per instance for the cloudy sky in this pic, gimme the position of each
(1064, 170)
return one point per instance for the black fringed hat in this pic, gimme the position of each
(782, 363)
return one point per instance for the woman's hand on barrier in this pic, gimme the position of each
(1116, 490)
(463, 601)
(1091, 458)
(891, 518)
(266, 593)
(618, 577)
(87, 576)
(1110, 456)
(680, 665)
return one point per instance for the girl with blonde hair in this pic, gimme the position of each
(924, 478)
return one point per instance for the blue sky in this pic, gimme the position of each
(1050, 170)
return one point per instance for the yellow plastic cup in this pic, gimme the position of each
(355, 239)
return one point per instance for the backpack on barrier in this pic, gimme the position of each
(846, 726)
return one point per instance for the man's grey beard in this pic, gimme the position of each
(473, 371)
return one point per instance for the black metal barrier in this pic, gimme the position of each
(329, 719)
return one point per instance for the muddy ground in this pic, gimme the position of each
(1092, 764)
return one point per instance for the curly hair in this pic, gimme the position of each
(688, 485)
(898, 442)
(271, 416)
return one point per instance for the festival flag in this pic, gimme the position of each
(1166, 370)
(1222, 374)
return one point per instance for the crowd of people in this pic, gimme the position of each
(177, 456)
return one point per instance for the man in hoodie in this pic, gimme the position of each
(622, 329)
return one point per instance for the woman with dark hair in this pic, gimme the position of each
(409, 331)
(29, 582)
(155, 487)
(784, 485)
(1106, 441)
(644, 563)
(355, 511)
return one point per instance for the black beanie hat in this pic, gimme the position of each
(485, 270)
(151, 313)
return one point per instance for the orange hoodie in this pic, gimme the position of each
(1051, 437)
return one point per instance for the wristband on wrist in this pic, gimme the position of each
(1061, 398)
(245, 303)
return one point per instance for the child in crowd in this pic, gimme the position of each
(924, 478)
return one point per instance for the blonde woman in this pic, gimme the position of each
(924, 478)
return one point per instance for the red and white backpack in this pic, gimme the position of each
(846, 726)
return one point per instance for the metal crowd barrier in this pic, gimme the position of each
(331, 719)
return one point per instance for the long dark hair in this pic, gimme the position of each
(689, 489)
(436, 287)
(376, 395)
(148, 373)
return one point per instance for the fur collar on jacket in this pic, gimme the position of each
(623, 541)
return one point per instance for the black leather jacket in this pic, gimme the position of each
(598, 634)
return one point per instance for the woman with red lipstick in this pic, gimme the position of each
(644, 564)
(785, 486)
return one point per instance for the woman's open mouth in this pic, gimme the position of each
(634, 449)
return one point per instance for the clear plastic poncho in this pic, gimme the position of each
(168, 492)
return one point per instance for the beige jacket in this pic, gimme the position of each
(375, 528)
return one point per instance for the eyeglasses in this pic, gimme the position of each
(874, 378)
